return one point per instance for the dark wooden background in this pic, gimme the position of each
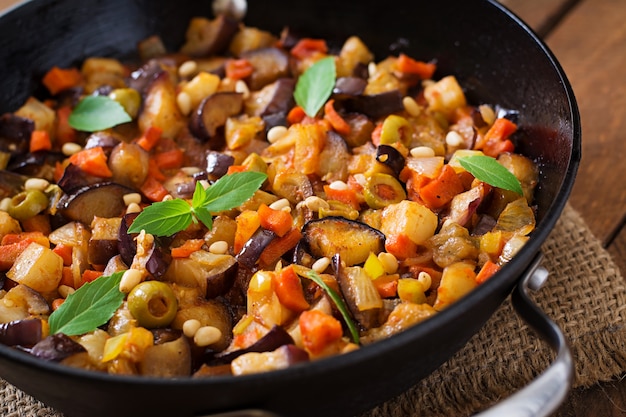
(588, 38)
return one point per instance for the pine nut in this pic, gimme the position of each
(422, 152)
(321, 264)
(338, 185)
(183, 100)
(425, 279)
(5, 203)
(130, 279)
(454, 139)
(207, 335)
(487, 113)
(132, 198)
(242, 87)
(190, 327)
(188, 69)
(70, 148)
(39, 184)
(190, 170)
(219, 248)
(411, 106)
(280, 204)
(389, 262)
(167, 197)
(65, 290)
(275, 133)
(314, 203)
(133, 208)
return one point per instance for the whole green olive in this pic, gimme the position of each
(129, 98)
(153, 304)
(27, 204)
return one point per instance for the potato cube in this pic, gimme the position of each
(37, 267)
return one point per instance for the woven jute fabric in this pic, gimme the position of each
(585, 295)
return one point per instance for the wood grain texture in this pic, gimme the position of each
(540, 15)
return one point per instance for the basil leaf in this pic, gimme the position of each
(204, 216)
(341, 306)
(91, 306)
(489, 170)
(231, 191)
(315, 86)
(163, 218)
(95, 113)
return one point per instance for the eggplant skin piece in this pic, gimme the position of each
(351, 239)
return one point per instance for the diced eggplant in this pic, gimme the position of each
(26, 332)
(103, 244)
(362, 297)
(21, 302)
(273, 339)
(11, 183)
(484, 224)
(213, 112)
(256, 362)
(104, 140)
(361, 128)
(206, 37)
(168, 359)
(274, 98)
(251, 251)
(214, 312)
(217, 163)
(142, 78)
(56, 347)
(36, 164)
(391, 157)
(104, 199)
(213, 274)
(349, 86)
(289, 37)
(15, 133)
(126, 244)
(351, 239)
(463, 206)
(74, 178)
(334, 159)
(376, 105)
(269, 64)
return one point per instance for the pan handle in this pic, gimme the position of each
(542, 396)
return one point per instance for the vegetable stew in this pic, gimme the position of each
(248, 202)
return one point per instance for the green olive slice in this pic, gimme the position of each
(27, 204)
(382, 190)
(153, 304)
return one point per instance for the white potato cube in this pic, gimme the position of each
(37, 267)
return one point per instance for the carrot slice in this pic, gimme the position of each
(92, 161)
(336, 121)
(59, 79)
(190, 246)
(278, 221)
(238, 69)
(150, 138)
(319, 330)
(307, 47)
(487, 271)
(288, 289)
(153, 189)
(40, 141)
(496, 140)
(408, 65)
(440, 191)
(279, 246)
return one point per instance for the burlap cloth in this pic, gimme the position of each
(585, 296)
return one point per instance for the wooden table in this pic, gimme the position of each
(588, 38)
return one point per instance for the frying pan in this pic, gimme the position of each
(497, 59)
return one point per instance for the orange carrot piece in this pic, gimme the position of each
(400, 246)
(65, 252)
(67, 276)
(154, 171)
(378, 129)
(307, 47)
(90, 275)
(153, 190)
(56, 303)
(64, 132)
(236, 168)
(279, 246)
(92, 161)
(288, 288)
(10, 252)
(336, 121)
(172, 158)
(238, 69)
(247, 223)
(40, 141)
(487, 271)
(59, 79)
(319, 330)
(150, 138)
(387, 285)
(278, 221)
(347, 195)
(408, 65)
(440, 191)
(32, 236)
(190, 246)
(38, 223)
(296, 115)
(496, 140)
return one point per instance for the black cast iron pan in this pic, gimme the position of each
(494, 56)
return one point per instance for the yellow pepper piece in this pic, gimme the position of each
(113, 347)
(373, 266)
(411, 290)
